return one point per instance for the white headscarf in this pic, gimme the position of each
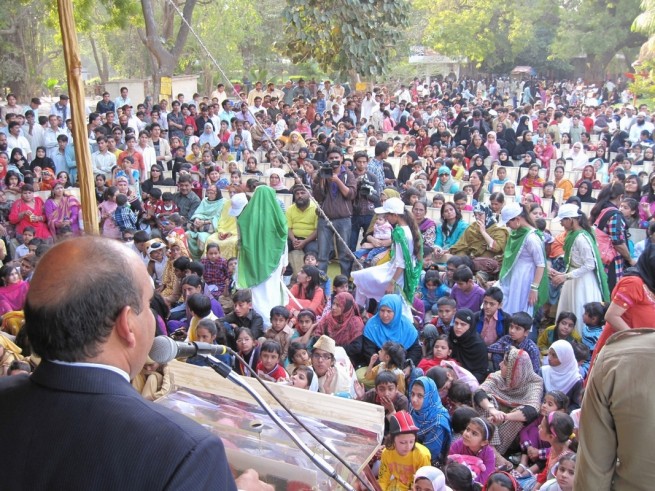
(564, 376)
(578, 156)
(434, 475)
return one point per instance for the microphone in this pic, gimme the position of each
(165, 349)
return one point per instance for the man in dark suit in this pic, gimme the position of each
(77, 423)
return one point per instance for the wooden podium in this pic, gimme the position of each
(353, 429)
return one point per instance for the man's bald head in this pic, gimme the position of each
(79, 288)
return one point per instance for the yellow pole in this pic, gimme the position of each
(78, 114)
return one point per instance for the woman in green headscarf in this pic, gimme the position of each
(402, 273)
(263, 251)
(522, 276)
(584, 280)
(204, 221)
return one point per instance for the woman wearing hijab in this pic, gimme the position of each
(40, 161)
(208, 136)
(204, 221)
(402, 127)
(389, 324)
(276, 180)
(506, 138)
(584, 192)
(261, 262)
(523, 276)
(227, 233)
(431, 417)
(562, 373)
(482, 238)
(406, 171)
(492, 145)
(584, 279)
(618, 142)
(524, 125)
(430, 476)
(526, 145)
(445, 182)
(344, 324)
(578, 156)
(510, 398)
(633, 299)
(589, 175)
(468, 348)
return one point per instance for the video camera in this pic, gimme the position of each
(325, 172)
(366, 187)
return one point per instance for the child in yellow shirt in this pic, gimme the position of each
(403, 456)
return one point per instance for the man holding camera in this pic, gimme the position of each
(335, 193)
(366, 200)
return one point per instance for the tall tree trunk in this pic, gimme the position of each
(164, 60)
(104, 76)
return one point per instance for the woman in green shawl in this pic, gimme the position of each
(263, 253)
(204, 221)
(402, 273)
(584, 280)
(522, 278)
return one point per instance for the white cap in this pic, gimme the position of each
(392, 205)
(511, 211)
(642, 114)
(567, 210)
(238, 203)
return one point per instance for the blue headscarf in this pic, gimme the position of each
(432, 420)
(400, 329)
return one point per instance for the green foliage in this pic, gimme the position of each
(643, 86)
(597, 31)
(490, 33)
(345, 36)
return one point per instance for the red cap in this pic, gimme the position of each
(402, 422)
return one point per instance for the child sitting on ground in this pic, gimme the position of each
(535, 451)
(475, 443)
(564, 328)
(269, 367)
(519, 330)
(297, 356)
(446, 309)
(210, 332)
(392, 359)
(402, 455)
(304, 378)
(216, 273)
(243, 316)
(385, 394)
(201, 307)
(440, 351)
(432, 289)
(304, 328)
(466, 293)
(280, 329)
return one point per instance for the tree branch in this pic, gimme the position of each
(183, 33)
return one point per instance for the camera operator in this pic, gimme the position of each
(366, 201)
(335, 193)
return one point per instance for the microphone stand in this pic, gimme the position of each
(226, 372)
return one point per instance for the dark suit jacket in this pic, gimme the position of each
(78, 428)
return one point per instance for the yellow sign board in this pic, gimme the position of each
(166, 86)
(361, 86)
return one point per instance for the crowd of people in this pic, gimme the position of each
(483, 231)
